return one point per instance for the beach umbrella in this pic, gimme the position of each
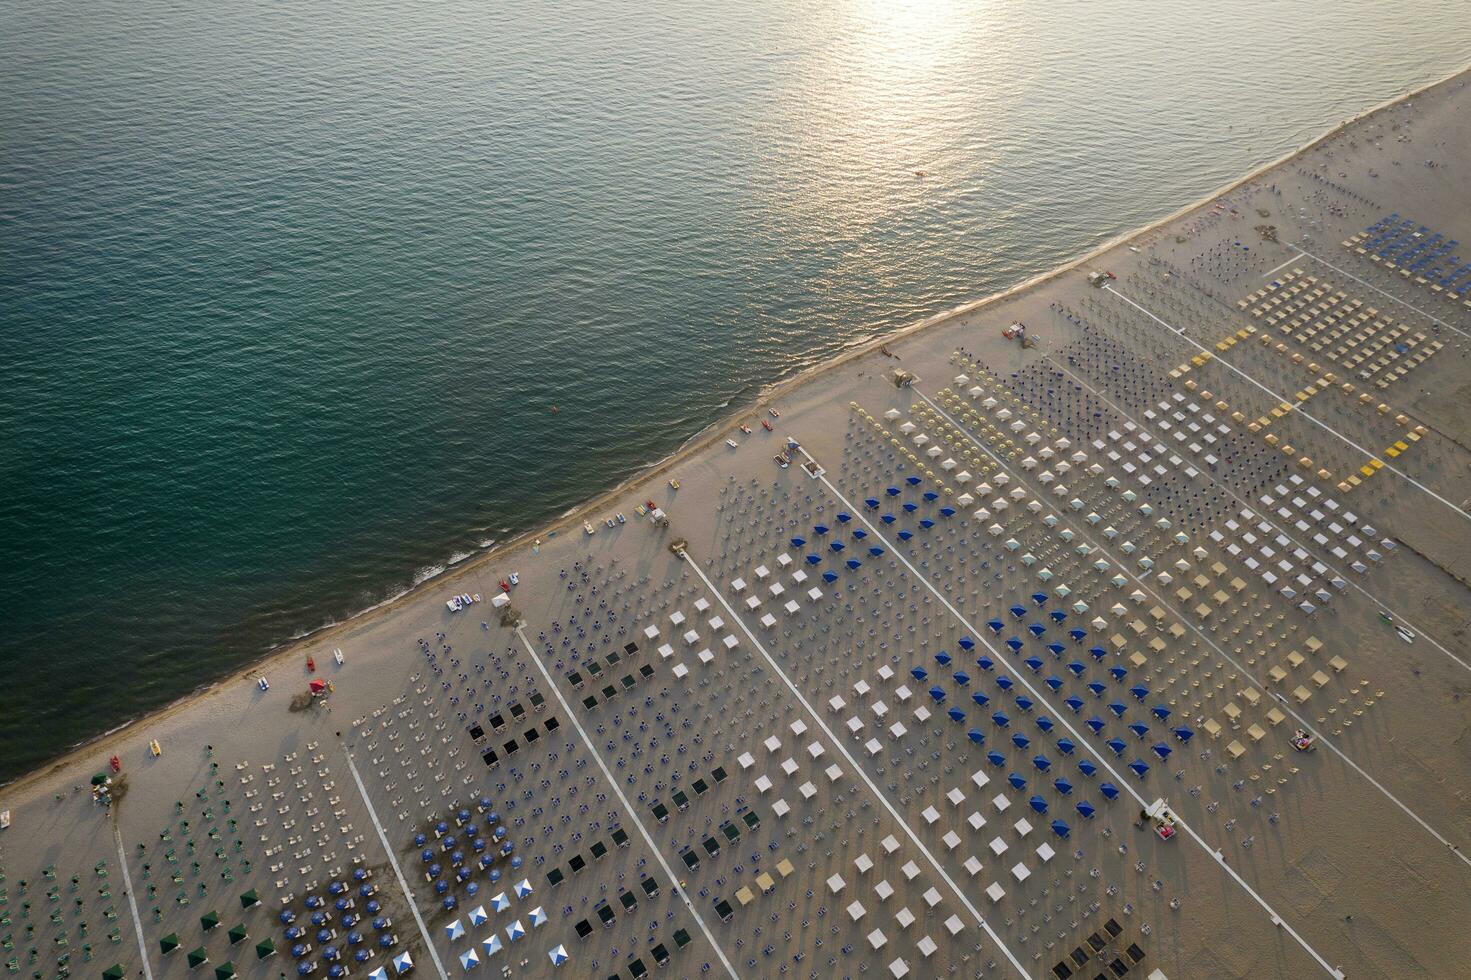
(814, 559)
(995, 758)
(1160, 711)
(980, 699)
(1005, 683)
(538, 917)
(892, 491)
(558, 955)
(455, 930)
(1044, 723)
(1034, 662)
(1118, 673)
(961, 678)
(859, 534)
(836, 546)
(1115, 744)
(1020, 740)
(198, 957)
(1063, 786)
(114, 972)
(975, 736)
(1162, 750)
(1139, 729)
(266, 947)
(299, 950)
(1139, 767)
(238, 934)
(1016, 781)
(470, 958)
(829, 577)
(1042, 763)
(1037, 804)
(1117, 708)
(1096, 687)
(853, 564)
(1097, 653)
(355, 938)
(499, 902)
(1095, 723)
(1109, 790)
(209, 920)
(1086, 809)
(314, 902)
(305, 968)
(1023, 702)
(1087, 768)
(956, 714)
(492, 944)
(938, 693)
(515, 931)
(379, 974)
(225, 970)
(905, 535)
(336, 971)
(1015, 643)
(1074, 702)
(1055, 649)
(996, 625)
(249, 899)
(287, 917)
(1000, 720)
(168, 943)
(1139, 691)
(335, 888)
(295, 932)
(403, 963)
(478, 916)
(985, 663)
(523, 888)
(1184, 734)
(1065, 746)
(1061, 829)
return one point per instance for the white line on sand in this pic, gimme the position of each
(1251, 677)
(843, 748)
(122, 858)
(1267, 519)
(1296, 407)
(627, 807)
(1276, 267)
(1376, 289)
(397, 871)
(1061, 717)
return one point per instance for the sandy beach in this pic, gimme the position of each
(926, 633)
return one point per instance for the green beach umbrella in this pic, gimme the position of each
(249, 898)
(265, 948)
(114, 972)
(209, 920)
(238, 934)
(225, 970)
(169, 943)
(197, 957)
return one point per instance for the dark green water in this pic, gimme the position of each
(287, 291)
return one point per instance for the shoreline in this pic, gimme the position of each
(696, 443)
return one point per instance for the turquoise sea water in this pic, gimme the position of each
(288, 291)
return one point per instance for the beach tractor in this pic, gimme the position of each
(902, 378)
(1302, 741)
(1100, 279)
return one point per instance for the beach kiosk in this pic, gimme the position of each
(1163, 817)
